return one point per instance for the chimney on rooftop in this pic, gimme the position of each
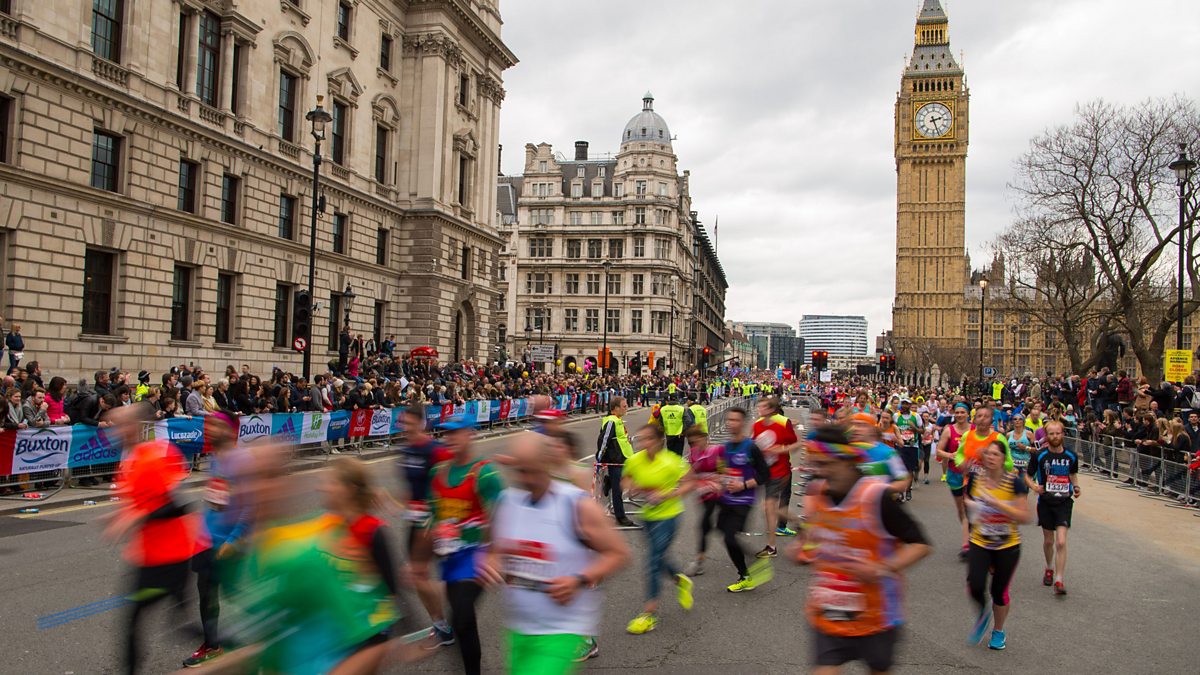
(581, 148)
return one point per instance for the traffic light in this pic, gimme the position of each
(301, 318)
(704, 356)
(820, 360)
(883, 363)
(891, 363)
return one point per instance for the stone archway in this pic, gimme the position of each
(465, 337)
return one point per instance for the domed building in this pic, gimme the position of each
(606, 251)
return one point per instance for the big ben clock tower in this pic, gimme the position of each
(931, 155)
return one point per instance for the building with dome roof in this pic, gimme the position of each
(564, 218)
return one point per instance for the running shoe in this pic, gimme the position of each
(743, 584)
(943, 477)
(963, 552)
(694, 568)
(625, 522)
(982, 623)
(683, 591)
(1059, 589)
(784, 532)
(1048, 577)
(998, 640)
(767, 552)
(201, 656)
(761, 571)
(927, 481)
(589, 650)
(908, 495)
(439, 637)
(642, 623)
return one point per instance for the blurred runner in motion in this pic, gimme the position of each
(227, 520)
(552, 545)
(776, 437)
(464, 492)
(742, 468)
(162, 535)
(865, 541)
(421, 453)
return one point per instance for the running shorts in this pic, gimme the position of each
(543, 654)
(877, 650)
(1054, 514)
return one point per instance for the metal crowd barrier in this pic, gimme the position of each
(1150, 475)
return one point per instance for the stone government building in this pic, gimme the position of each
(157, 166)
(563, 219)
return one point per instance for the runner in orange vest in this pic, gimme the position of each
(864, 542)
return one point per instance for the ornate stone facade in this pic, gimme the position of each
(564, 218)
(161, 146)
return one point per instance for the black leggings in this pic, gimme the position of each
(462, 596)
(926, 452)
(204, 564)
(731, 520)
(706, 523)
(151, 584)
(1002, 562)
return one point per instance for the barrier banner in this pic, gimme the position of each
(483, 411)
(433, 416)
(286, 427)
(460, 410)
(29, 450)
(339, 425)
(186, 434)
(251, 427)
(381, 422)
(316, 427)
(360, 423)
(471, 411)
(505, 409)
(93, 445)
(397, 420)
(517, 409)
(446, 413)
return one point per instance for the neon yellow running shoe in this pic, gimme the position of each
(683, 589)
(761, 571)
(642, 623)
(743, 584)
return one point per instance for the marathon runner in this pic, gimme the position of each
(662, 478)
(864, 543)
(908, 426)
(552, 547)
(162, 535)
(1020, 442)
(742, 468)
(464, 492)
(776, 437)
(881, 459)
(227, 517)
(421, 453)
(996, 503)
(1053, 475)
(703, 459)
(947, 449)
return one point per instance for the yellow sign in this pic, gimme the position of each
(1177, 365)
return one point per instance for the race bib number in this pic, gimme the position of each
(838, 597)
(907, 436)
(216, 493)
(447, 538)
(1058, 485)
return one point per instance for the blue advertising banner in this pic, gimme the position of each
(286, 427)
(93, 445)
(339, 425)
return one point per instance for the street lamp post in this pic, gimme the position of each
(671, 320)
(607, 265)
(318, 117)
(1183, 169)
(983, 284)
(542, 329)
(528, 358)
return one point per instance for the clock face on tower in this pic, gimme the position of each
(933, 120)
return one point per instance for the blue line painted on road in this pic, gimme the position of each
(81, 612)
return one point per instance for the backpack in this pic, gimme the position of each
(76, 406)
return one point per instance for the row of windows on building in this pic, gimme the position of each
(549, 189)
(107, 28)
(101, 297)
(542, 283)
(543, 247)
(106, 167)
(544, 216)
(541, 318)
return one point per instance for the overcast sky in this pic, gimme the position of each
(784, 110)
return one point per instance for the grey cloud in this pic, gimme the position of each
(784, 113)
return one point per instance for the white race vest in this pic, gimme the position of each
(538, 542)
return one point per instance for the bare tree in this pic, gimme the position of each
(1101, 190)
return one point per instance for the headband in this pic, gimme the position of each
(855, 452)
(962, 405)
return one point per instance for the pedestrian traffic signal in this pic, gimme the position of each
(705, 354)
(891, 363)
(301, 316)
